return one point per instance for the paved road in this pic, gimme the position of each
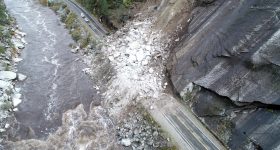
(182, 126)
(93, 23)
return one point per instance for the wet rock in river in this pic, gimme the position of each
(16, 60)
(16, 101)
(18, 44)
(21, 77)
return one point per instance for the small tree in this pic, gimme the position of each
(127, 3)
(103, 5)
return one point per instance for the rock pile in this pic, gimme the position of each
(137, 55)
(139, 132)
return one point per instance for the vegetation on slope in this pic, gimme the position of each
(111, 12)
(4, 19)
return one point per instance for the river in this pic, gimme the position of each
(55, 81)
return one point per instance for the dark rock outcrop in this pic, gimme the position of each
(231, 50)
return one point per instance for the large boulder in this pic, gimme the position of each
(7, 75)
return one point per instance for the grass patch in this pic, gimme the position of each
(76, 34)
(85, 41)
(2, 49)
(44, 2)
(70, 20)
(4, 18)
(6, 106)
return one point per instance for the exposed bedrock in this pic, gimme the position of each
(228, 54)
(232, 48)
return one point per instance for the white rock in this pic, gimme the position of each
(17, 90)
(23, 41)
(20, 33)
(134, 45)
(86, 70)
(135, 77)
(2, 130)
(16, 101)
(18, 44)
(151, 70)
(117, 54)
(132, 58)
(111, 58)
(16, 60)
(18, 36)
(4, 84)
(17, 96)
(190, 87)
(21, 77)
(7, 125)
(75, 50)
(7, 75)
(145, 62)
(126, 142)
(148, 47)
(151, 107)
(140, 56)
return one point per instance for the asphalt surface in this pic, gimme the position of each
(98, 30)
(182, 126)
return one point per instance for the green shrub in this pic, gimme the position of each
(44, 2)
(55, 7)
(85, 41)
(103, 5)
(6, 106)
(127, 3)
(2, 49)
(3, 15)
(70, 20)
(76, 34)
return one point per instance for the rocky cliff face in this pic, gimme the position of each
(230, 50)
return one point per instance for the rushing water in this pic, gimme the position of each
(55, 80)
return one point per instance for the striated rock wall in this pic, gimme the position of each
(230, 51)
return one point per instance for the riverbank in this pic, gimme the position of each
(12, 42)
(56, 82)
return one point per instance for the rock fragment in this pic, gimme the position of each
(7, 75)
(16, 101)
(21, 77)
(4, 84)
(126, 142)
